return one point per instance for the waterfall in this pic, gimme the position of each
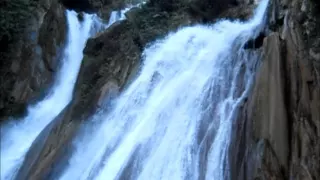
(174, 120)
(17, 136)
(120, 14)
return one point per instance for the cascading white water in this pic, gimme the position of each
(157, 128)
(17, 136)
(120, 15)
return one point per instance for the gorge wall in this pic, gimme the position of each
(277, 132)
(276, 135)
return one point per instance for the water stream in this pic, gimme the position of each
(174, 120)
(18, 135)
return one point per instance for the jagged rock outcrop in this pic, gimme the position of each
(277, 135)
(32, 38)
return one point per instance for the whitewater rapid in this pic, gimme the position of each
(17, 136)
(174, 121)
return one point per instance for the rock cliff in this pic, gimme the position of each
(32, 38)
(277, 134)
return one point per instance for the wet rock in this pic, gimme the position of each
(314, 55)
(277, 134)
(107, 92)
(32, 37)
(269, 111)
(46, 146)
(80, 16)
(265, 162)
(255, 43)
(34, 153)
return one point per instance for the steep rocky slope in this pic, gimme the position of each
(32, 37)
(278, 132)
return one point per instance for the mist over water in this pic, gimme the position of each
(174, 120)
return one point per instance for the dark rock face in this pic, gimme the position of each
(206, 10)
(101, 7)
(255, 43)
(267, 114)
(79, 5)
(277, 134)
(32, 38)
